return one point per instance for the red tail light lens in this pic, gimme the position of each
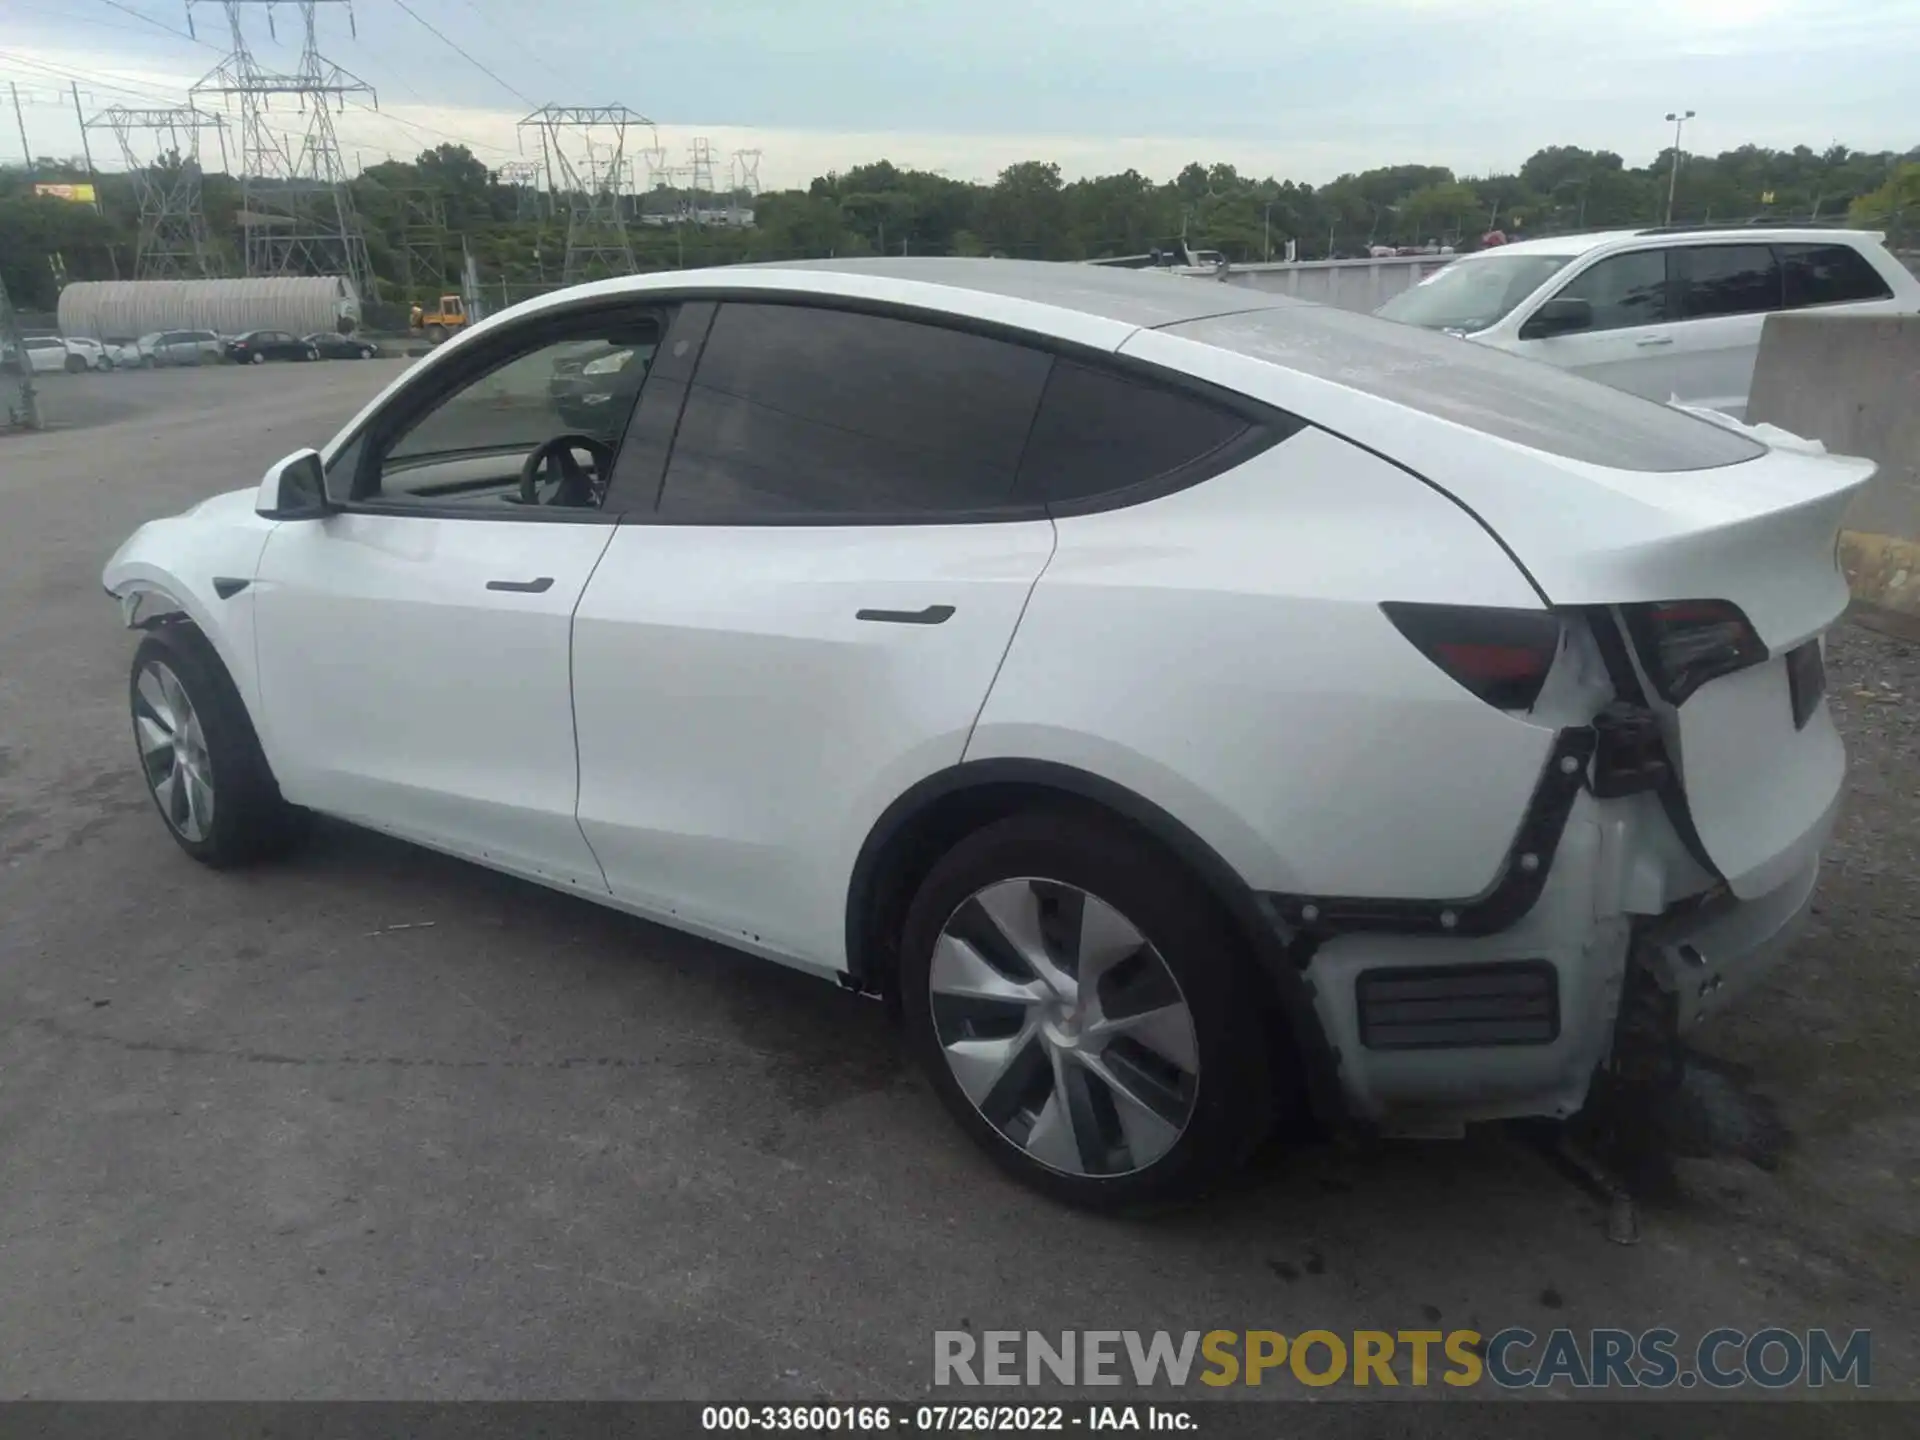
(1686, 643)
(1502, 656)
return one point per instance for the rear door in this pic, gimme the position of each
(1724, 294)
(1631, 344)
(810, 620)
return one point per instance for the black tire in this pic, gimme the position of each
(251, 822)
(75, 364)
(1233, 1103)
(436, 334)
(258, 358)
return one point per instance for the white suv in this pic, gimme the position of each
(1671, 313)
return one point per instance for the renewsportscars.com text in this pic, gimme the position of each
(1511, 1359)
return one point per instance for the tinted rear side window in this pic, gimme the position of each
(1728, 280)
(797, 412)
(1830, 275)
(1098, 432)
(1477, 386)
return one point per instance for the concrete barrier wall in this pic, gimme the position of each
(1853, 382)
(1345, 284)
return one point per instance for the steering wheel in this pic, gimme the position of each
(572, 484)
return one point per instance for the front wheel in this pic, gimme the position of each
(200, 757)
(436, 333)
(75, 364)
(1086, 1012)
(366, 353)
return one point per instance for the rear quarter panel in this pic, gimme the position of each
(1221, 652)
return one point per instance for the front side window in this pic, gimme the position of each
(1829, 275)
(803, 413)
(1474, 293)
(493, 441)
(1624, 290)
(1728, 280)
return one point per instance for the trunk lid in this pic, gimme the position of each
(1761, 784)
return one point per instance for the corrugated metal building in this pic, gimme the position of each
(128, 309)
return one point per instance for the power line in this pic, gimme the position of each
(151, 94)
(463, 54)
(157, 24)
(529, 55)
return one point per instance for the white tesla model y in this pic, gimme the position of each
(1185, 703)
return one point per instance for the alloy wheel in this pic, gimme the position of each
(1065, 1027)
(173, 751)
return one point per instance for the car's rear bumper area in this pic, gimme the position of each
(1434, 1030)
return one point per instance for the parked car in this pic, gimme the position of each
(129, 353)
(49, 353)
(1189, 705)
(330, 345)
(173, 347)
(93, 355)
(594, 381)
(1670, 313)
(256, 347)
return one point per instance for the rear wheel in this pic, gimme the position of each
(1085, 1011)
(200, 757)
(258, 358)
(436, 333)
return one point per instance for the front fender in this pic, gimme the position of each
(200, 565)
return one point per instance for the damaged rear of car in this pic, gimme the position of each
(1685, 770)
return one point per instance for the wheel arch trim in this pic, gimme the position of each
(150, 596)
(1272, 947)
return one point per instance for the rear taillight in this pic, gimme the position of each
(1686, 643)
(1502, 656)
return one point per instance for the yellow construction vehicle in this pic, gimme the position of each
(449, 315)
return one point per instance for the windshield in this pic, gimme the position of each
(1473, 294)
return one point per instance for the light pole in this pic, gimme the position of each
(1266, 231)
(1679, 119)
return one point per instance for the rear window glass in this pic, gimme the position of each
(1477, 386)
(1830, 275)
(1099, 432)
(1728, 280)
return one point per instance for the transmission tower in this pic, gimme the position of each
(700, 163)
(423, 242)
(173, 241)
(586, 147)
(523, 178)
(744, 173)
(659, 173)
(297, 211)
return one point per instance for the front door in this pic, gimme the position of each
(809, 622)
(414, 648)
(1632, 343)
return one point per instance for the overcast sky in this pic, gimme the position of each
(969, 86)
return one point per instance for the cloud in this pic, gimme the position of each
(970, 86)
